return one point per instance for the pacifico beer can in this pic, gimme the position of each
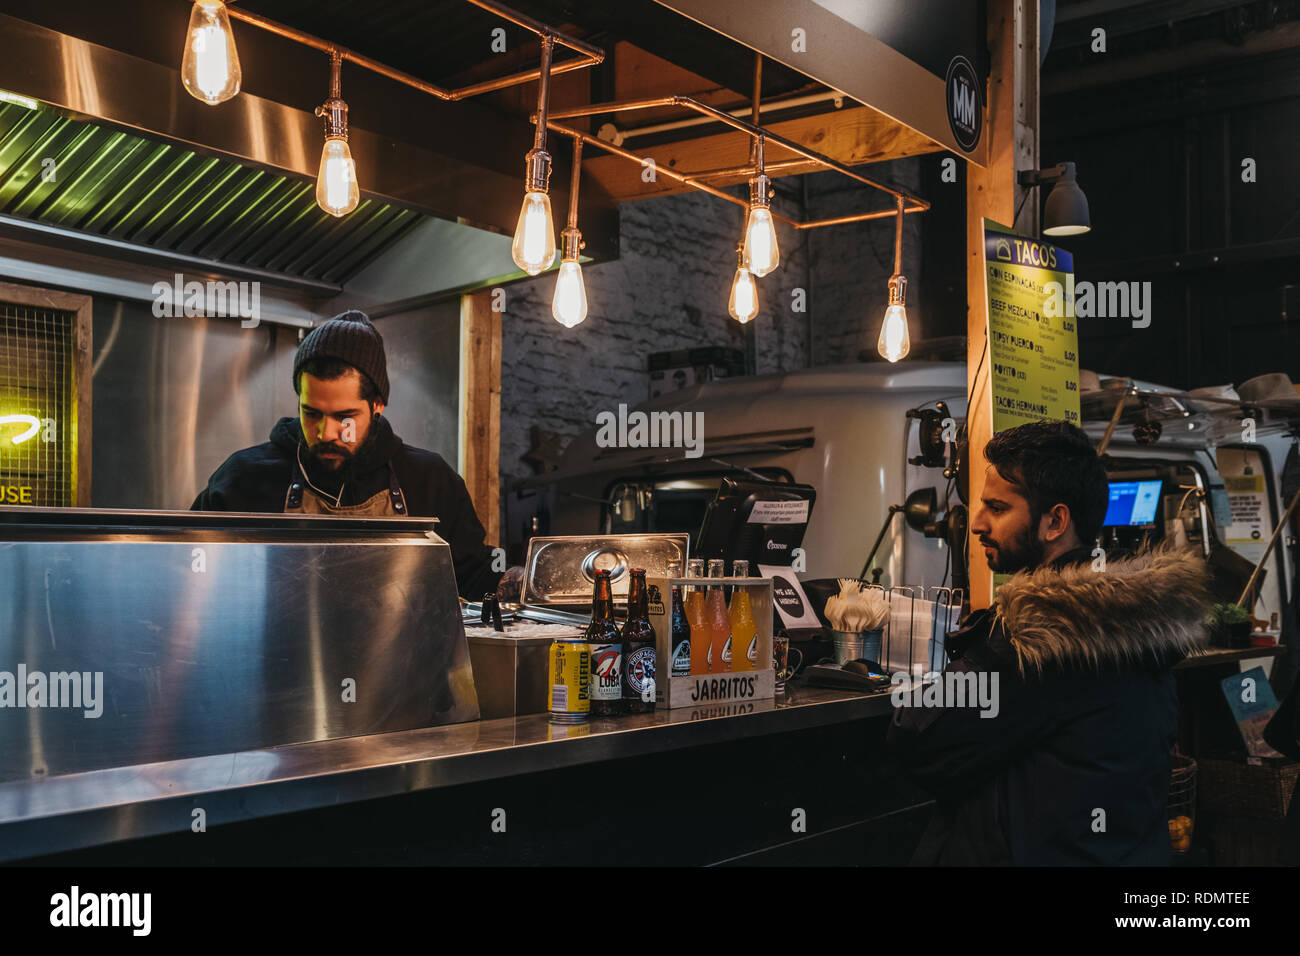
(569, 671)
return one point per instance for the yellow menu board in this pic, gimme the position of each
(1033, 356)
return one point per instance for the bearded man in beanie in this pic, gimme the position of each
(340, 456)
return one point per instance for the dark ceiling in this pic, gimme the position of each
(445, 40)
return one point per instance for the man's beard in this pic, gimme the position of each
(344, 468)
(1023, 551)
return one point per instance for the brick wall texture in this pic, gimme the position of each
(668, 290)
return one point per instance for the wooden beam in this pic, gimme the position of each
(480, 408)
(991, 193)
(852, 135)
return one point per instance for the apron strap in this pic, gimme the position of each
(297, 484)
(395, 492)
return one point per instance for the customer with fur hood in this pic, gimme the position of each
(1072, 767)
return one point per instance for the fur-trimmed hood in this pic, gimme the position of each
(1146, 610)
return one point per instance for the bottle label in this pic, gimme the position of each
(726, 650)
(640, 669)
(606, 671)
(752, 653)
(682, 659)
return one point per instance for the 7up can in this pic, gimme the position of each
(569, 670)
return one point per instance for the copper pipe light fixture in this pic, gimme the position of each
(895, 341)
(337, 191)
(743, 304)
(534, 247)
(570, 303)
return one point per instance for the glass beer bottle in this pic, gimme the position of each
(638, 636)
(680, 644)
(606, 651)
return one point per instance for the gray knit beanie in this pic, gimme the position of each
(349, 337)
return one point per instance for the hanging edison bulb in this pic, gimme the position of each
(761, 252)
(210, 63)
(337, 189)
(743, 304)
(895, 341)
(570, 303)
(534, 247)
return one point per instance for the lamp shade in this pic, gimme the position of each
(1066, 213)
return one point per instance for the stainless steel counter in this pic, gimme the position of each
(72, 811)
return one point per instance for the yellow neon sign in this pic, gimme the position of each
(33, 423)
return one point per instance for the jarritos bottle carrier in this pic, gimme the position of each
(709, 689)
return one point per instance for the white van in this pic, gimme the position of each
(846, 430)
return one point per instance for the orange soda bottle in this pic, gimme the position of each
(700, 647)
(744, 631)
(718, 621)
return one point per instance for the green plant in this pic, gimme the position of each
(1225, 615)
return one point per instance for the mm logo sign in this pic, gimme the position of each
(965, 105)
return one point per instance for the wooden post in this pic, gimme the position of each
(1011, 125)
(480, 408)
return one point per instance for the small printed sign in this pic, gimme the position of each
(779, 512)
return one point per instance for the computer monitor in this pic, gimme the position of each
(761, 522)
(1132, 504)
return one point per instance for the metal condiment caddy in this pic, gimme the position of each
(730, 687)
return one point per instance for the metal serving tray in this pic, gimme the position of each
(559, 571)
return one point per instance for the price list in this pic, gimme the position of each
(1033, 356)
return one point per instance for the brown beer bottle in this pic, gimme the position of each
(606, 652)
(639, 689)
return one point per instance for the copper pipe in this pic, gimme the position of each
(517, 79)
(538, 27)
(544, 92)
(898, 239)
(720, 116)
(747, 171)
(694, 182)
(574, 180)
(591, 55)
(640, 161)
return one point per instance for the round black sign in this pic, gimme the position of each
(965, 106)
(787, 596)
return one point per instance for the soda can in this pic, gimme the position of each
(569, 673)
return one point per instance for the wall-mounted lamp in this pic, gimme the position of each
(337, 191)
(895, 341)
(210, 63)
(1066, 212)
(534, 247)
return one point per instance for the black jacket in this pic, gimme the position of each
(1074, 768)
(257, 478)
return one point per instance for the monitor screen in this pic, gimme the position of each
(1132, 503)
